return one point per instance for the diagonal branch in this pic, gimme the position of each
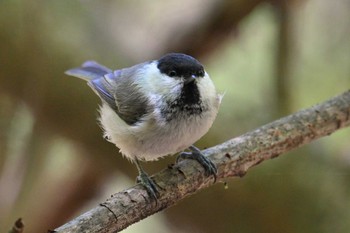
(233, 158)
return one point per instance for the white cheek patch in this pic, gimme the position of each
(159, 90)
(152, 81)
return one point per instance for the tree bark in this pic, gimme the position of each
(233, 158)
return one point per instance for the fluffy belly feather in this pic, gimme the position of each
(151, 139)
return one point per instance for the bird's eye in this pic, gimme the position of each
(200, 73)
(172, 73)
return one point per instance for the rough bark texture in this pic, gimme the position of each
(233, 158)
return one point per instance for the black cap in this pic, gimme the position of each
(180, 65)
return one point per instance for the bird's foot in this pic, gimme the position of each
(149, 184)
(209, 167)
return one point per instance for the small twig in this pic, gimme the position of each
(233, 158)
(18, 227)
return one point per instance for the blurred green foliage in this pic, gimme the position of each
(54, 163)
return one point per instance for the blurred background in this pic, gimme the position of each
(271, 58)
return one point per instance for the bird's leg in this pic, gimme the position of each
(209, 167)
(146, 181)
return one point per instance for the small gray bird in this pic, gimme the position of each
(155, 108)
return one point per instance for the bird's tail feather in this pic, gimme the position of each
(89, 71)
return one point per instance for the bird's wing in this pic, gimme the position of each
(118, 90)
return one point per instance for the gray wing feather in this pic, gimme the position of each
(116, 88)
(119, 91)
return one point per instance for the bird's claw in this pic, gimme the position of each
(209, 167)
(149, 184)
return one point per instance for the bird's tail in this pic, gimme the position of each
(89, 71)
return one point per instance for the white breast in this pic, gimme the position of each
(149, 140)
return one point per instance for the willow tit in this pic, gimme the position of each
(155, 108)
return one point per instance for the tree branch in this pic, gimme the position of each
(233, 158)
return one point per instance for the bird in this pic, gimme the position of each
(154, 109)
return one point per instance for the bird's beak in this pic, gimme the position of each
(190, 79)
